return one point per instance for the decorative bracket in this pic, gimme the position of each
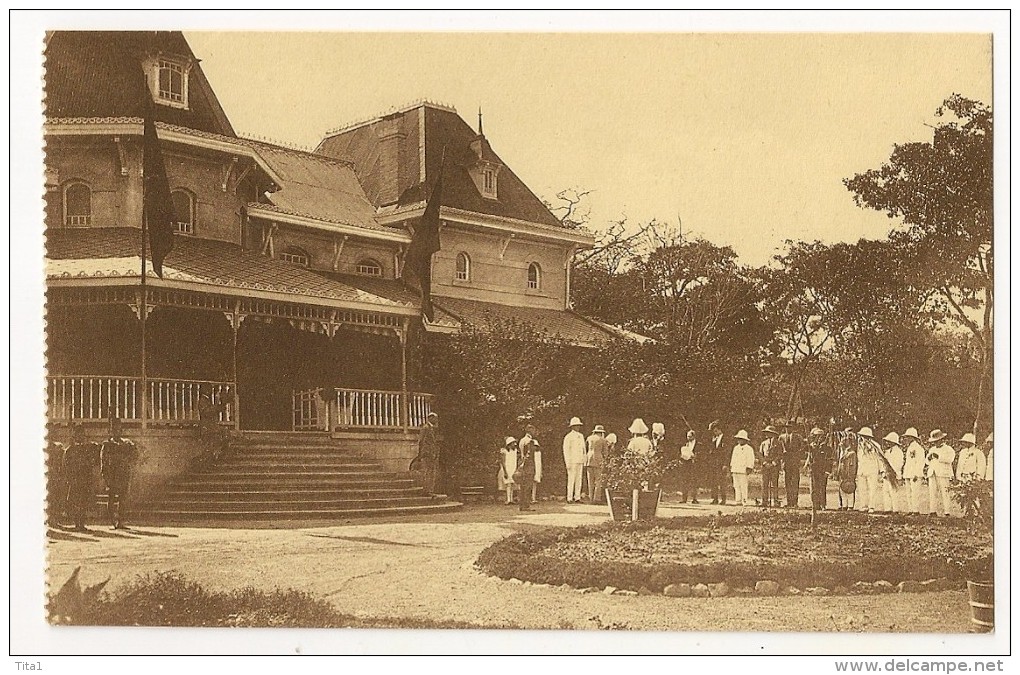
(398, 261)
(244, 174)
(506, 243)
(267, 240)
(235, 319)
(137, 309)
(122, 161)
(227, 170)
(338, 249)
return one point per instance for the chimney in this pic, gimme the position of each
(391, 136)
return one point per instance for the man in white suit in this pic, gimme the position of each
(574, 451)
(940, 472)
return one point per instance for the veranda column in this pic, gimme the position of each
(405, 408)
(235, 319)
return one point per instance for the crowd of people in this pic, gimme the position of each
(894, 473)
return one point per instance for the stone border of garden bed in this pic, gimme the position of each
(519, 558)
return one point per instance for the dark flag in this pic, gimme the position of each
(418, 261)
(158, 207)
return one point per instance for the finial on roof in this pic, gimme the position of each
(480, 132)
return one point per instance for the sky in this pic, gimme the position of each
(743, 138)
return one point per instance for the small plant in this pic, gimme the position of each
(630, 470)
(975, 498)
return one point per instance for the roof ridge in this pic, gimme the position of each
(255, 140)
(421, 102)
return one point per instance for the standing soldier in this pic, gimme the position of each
(769, 468)
(793, 456)
(892, 471)
(868, 470)
(818, 464)
(80, 460)
(971, 465)
(913, 469)
(940, 472)
(717, 465)
(117, 459)
(594, 460)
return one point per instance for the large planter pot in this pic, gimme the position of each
(633, 504)
(982, 605)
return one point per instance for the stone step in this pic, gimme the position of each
(291, 493)
(245, 506)
(164, 515)
(306, 483)
(251, 465)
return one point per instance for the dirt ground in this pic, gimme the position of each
(422, 566)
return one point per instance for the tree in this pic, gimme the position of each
(942, 192)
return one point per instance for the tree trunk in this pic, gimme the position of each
(983, 375)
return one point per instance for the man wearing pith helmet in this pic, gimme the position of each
(869, 468)
(913, 468)
(971, 464)
(574, 451)
(940, 472)
(598, 449)
(741, 464)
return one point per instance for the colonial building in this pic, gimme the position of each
(281, 299)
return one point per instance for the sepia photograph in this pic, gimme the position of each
(675, 331)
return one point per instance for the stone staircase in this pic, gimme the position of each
(292, 476)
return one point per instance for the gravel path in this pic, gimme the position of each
(421, 566)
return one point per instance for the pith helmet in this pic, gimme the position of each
(866, 432)
(638, 426)
(742, 435)
(911, 433)
(936, 435)
(575, 422)
(770, 430)
(599, 429)
(892, 437)
(969, 438)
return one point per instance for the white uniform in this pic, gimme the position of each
(971, 464)
(741, 461)
(891, 489)
(913, 475)
(940, 472)
(868, 468)
(574, 451)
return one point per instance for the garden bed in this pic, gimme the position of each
(743, 549)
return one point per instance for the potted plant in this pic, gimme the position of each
(975, 498)
(632, 484)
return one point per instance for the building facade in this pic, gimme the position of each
(281, 301)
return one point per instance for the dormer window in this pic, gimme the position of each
(295, 255)
(168, 80)
(369, 268)
(489, 182)
(184, 211)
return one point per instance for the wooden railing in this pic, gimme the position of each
(168, 401)
(359, 409)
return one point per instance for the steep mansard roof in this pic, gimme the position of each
(94, 74)
(442, 128)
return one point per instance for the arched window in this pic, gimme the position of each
(463, 267)
(184, 211)
(295, 255)
(369, 267)
(77, 205)
(534, 276)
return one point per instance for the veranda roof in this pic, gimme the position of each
(113, 253)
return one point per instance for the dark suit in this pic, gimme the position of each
(80, 460)
(717, 468)
(791, 447)
(526, 468)
(116, 461)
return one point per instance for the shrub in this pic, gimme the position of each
(527, 556)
